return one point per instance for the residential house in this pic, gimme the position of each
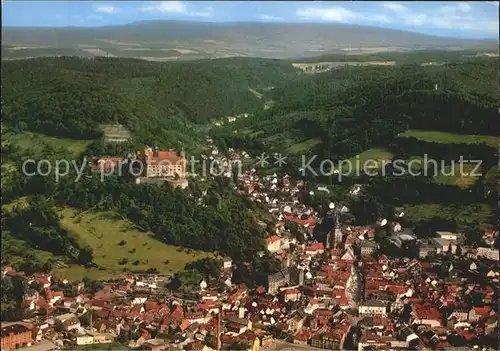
(296, 322)
(84, 339)
(315, 249)
(489, 253)
(291, 295)
(273, 243)
(238, 325)
(68, 321)
(227, 263)
(443, 245)
(477, 313)
(368, 248)
(277, 280)
(426, 314)
(370, 341)
(426, 249)
(461, 314)
(447, 235)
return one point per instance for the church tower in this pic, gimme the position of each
(338, 232)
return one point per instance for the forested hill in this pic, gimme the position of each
(352, 109)
(70, 96)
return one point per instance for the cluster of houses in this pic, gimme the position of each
(441, 299)
(229, 119)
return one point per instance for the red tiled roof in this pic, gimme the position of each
(315, 247)
(171, 157)
(297, 220)
(185, 323)
(272, 239)
(483, 311)
(427, 311)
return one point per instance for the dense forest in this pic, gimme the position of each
(347, 111)
(71, 97)
(354, 109)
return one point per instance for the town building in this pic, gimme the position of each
(489, 253)
(426, 249)
(373, 307)
(15, 335)
(277, 280)
(368, 248)
(68, 321)
(447, 235)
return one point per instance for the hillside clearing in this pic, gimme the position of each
(113, 239)
(369, 159)
(450, 138)
(461, 213)
(451, 175)
(39, 143)
(303, 146)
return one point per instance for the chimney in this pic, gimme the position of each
(155, 152)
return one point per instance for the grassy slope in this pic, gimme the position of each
(303, 146)
(104, 230)
(451, 138)
(38, 142)
(463, 179)
(360, 162)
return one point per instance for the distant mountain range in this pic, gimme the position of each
(170, 40)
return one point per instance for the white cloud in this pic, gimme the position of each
(166, 7)
(397, 8)
(340, 14)
(459, 16)
(336, 14)
(176, 7)
(106, 9)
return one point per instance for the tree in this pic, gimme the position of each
(86, 255)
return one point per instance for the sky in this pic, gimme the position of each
(456, 19)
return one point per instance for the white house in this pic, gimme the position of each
(84, 339)
(373, 307)
(491, 254)
(447, 235)
(274, 243)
